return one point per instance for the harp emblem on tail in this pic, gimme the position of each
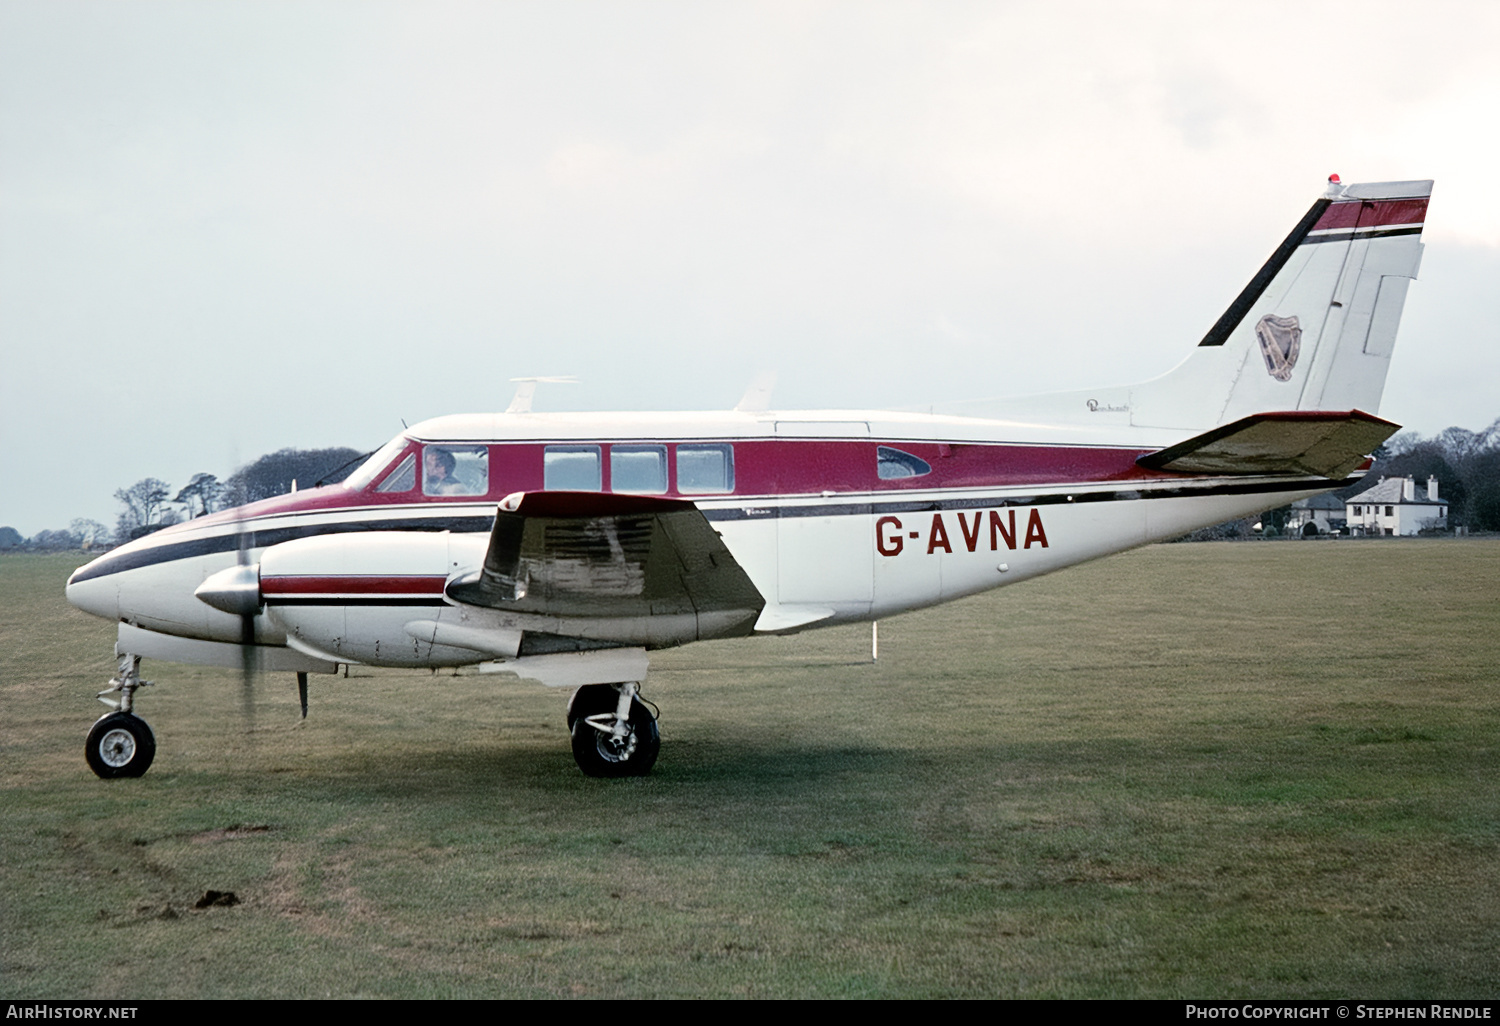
(1280, 342)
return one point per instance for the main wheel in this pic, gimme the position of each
(590, 700)
(120, 745)
(600, 754)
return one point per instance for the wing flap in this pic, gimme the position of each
(593, 555)
(1324, 444)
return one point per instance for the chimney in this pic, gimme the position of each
(1432, 488)
(1408, 489)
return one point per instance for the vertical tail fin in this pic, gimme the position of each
(1314, 329)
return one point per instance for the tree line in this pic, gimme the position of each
(1465, 463)
(149, 504)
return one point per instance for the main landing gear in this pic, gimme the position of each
(120, 744)
(614, 734)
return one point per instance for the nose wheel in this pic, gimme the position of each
(120, 745)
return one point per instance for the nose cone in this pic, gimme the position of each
(94, 593)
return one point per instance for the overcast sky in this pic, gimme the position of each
(228, 228)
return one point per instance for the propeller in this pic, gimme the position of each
(236, 591)
(247, 624)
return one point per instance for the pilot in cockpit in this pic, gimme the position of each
(455, 469)
(438, 466)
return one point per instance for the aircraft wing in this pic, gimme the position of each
(593, 555)
(1327, 444)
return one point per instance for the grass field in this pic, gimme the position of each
(1213, 770)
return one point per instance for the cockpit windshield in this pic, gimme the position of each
(371, 468)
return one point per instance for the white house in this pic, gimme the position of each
(1325, 513)
(1393, 507)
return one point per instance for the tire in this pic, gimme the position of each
(590, 700)
(598, 755)
(120, 745)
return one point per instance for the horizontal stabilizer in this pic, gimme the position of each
(1297, 442)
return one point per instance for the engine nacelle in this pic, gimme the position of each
(351, 597)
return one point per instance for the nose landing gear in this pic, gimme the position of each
(120, 744)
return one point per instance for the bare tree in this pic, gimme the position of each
(90, 533)
(203, 491)
(1466, 464)
(144, 504)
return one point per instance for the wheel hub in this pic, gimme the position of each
(117, 748)
(617, 749)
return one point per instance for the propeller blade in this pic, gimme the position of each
(247, 669)
(247, 625)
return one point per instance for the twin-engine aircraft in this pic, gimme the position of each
(565, 548)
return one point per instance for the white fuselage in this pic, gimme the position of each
(827, 523)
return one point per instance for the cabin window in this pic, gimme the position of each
(705, 469)
(403, 478)
(1390, 511)
(571, 468)
(638, 469)
(893, 464)
(455, 469)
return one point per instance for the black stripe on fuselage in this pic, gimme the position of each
(106, 565)
(260, 538)
(830, 509)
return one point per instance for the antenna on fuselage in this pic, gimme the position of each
(757, 397)
(526, 388)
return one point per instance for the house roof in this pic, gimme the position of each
(1326, 501)
(1390, 492)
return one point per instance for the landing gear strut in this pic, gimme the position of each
(120, 744)
(614, 734)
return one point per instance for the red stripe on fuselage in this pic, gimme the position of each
(351, 585)
(787, 467)
(767, 467)
(1356, 214)
(764, 468)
